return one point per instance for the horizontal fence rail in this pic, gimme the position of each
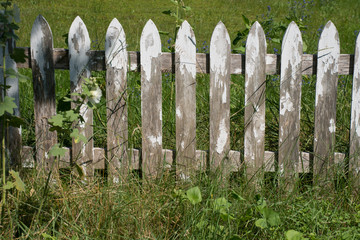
(152, 159)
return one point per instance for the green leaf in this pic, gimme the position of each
(272, 217)
(186, 8)
(276, 40)
(163, 33)
(8, 185)
(293, 235)
(261, 223)
(236, 196)
(8, 105)
(240, 49)
(167, 12)
(79, 170)
(221, 204)
(57, 120)
(11, 73)
(77, 136)
(56, 150)
(15, 121)
(19, 184)
(194, 195)
(47, 236)
(246, 20)
(18, 55)
(235, 237)
(304, 46)
(71, 115)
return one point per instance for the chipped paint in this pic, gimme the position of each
(219, 47)
(286, 104)
(79, 47)
(182, 145)
(115, 46)
(332, 126)
(185, 46)
(37, 41)
(155, 140)
(178, 112)
(223, 137)
(116, 180)
(224, 95)
(252, 46)
(150, 47)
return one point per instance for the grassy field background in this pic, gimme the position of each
(76, 209)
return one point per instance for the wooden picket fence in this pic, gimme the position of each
(186, 63)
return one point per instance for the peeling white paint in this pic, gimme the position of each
(223, 136)
(83, 112)
(219, 48)
(182, 145)
(178, 112)
(185, 46)
(224, 95)
(150, 47)
(155, 140)
(37, 48)
(355, 102)
(79, 58)
(286, 104)
(116, 180)
(252, 46)
(281, 170)
(332, 126)
(115, 46)
(328, 58)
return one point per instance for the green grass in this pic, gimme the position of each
(158, 210)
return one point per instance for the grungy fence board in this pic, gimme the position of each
(185, 88)
(255, 81)
(79, 65)
(354, 157)
(13, 134)
(41, 42)
(151, 100)
(290, 103)
(325, 102)
(116, 58)
(220, 48)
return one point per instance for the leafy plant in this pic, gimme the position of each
(9, 17)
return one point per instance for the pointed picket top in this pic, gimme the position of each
(115, 46)
(219, 43)
(150, 46)
(185, 46)
(354, 157)
(79, 46)
(185, 83)
(325, 102)
(290, 104)
(220, 52)
(254, 120)
(41, 44)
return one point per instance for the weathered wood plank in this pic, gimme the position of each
(325, 103)
(354, 157)
(12, 134)
(151, 101)
(79, 47)
(290, 104)
(346, 62)
(254, 143)
(41, 42)
(116, 58)
(185, 87)
(220, 49)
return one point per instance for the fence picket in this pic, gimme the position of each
(354, 157)
(220, 49)
(79, 66)
(255, 81)
(185, 80)
(116, 58)
(13, 135)
(325, 102)
(151, 100)
(41, 43)
(290, 103)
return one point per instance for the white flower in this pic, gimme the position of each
(95, 96)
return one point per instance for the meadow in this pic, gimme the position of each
(200, 209)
